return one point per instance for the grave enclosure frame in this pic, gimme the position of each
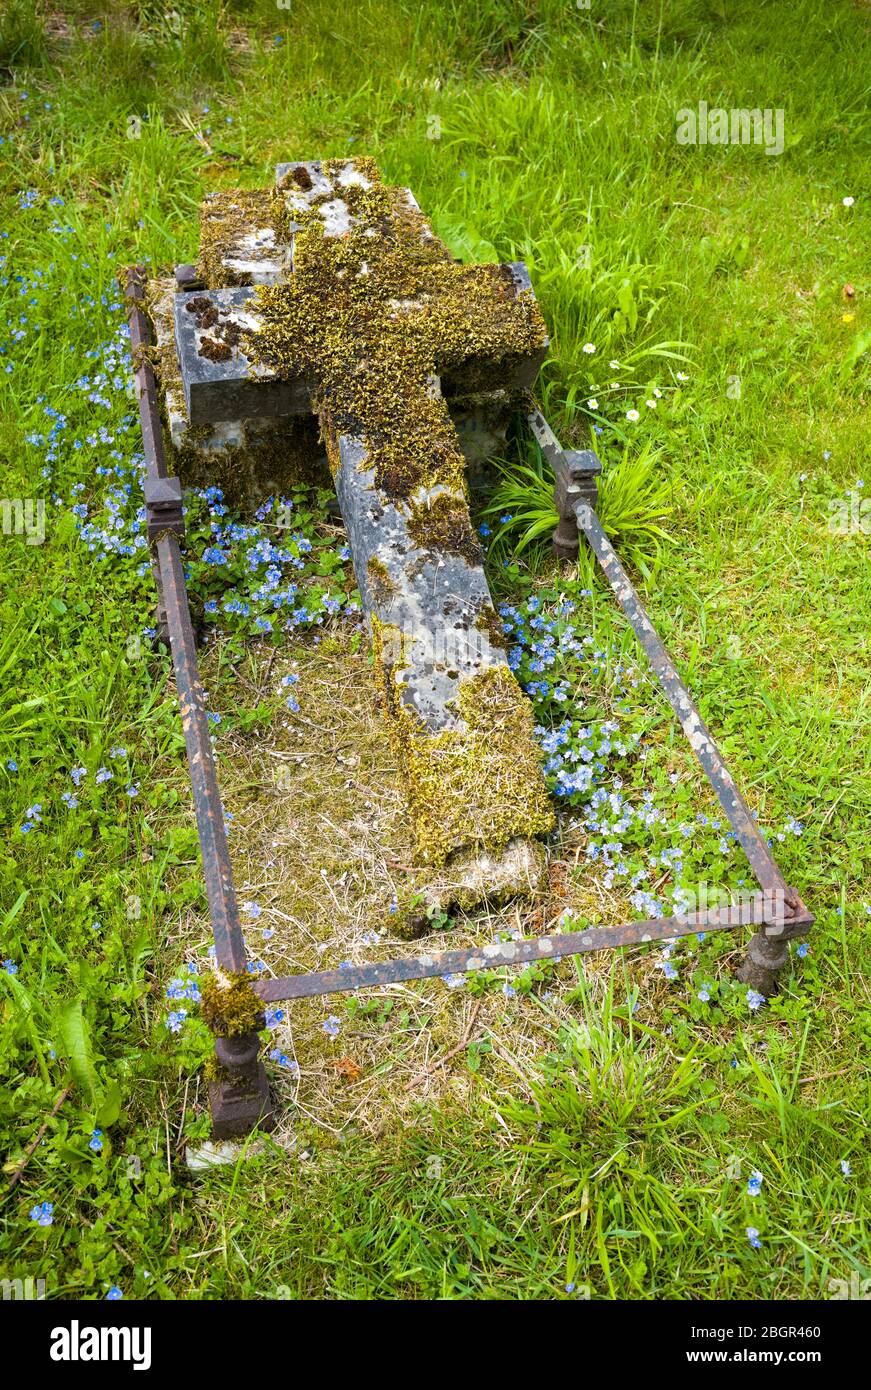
(240, 1099)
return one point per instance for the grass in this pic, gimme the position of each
(632, 503)
(597, 1128)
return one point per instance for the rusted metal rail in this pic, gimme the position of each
(740, 817)
(165, 531)
(240, 1098)
(756, 910)
(575, 473)
(767, 950)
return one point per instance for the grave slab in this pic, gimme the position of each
(460, 725)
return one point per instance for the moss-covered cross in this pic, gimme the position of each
(383, 323)
(364, 315)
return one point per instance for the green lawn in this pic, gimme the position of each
(598, 1130)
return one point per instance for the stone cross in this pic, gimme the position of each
(331, 296)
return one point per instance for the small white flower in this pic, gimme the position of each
(682, 376)
(589, 347)
(632, 415)
(651, 404)
(848, 201)
(657, 393)
(614, 365)
(592, 403)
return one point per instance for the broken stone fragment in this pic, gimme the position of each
(472, 877)
(250, 459)
(204, 1158)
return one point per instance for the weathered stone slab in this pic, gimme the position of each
(462, 730)
(219, 381)
(438, 363)
(305, 185)
(434, 602)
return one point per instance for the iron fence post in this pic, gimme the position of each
(765, 957)
(239, 1097)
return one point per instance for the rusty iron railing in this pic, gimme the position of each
(239, 1098)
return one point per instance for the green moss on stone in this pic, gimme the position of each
(159, 297)
(488, 621)
(373, 316)
(381, 586)
(229, 1004)
(443, 523)
(476, 786)
(225, 217)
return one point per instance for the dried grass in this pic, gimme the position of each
(321, 841)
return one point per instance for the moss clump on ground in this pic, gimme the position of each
(479, 785)
(229, 1004)
(373, 316)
